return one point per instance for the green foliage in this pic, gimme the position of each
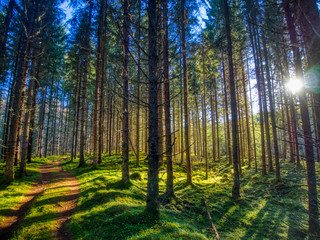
(108, 210)
(267, 210)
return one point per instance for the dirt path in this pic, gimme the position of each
(67, 208)
(47, 181)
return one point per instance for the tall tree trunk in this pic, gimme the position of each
(253, 127)
(138, 89)
(264, 100)
(308, 141)
(125, 106)
(217, 118)
(228, 150)
(86, 53)
(6, 124)
(19, 91)
(111, 116)
(41, 123)
(169, 185)
(76, 113)
(246, 113)
(26, 126)
(309, 21)
(102, 81)
(236, 185)
(260, 98)
(96, 92)
(214, 152)
(185, 91)
(204, 114)
(48, 120)
(295, 141)
(153, 157)
(272, 111)
(181, 112)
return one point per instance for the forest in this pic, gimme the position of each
(159, 119)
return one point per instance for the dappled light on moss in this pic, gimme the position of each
(266, 209)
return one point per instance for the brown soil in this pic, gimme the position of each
(64, 208)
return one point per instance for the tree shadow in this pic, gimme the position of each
(119, 221)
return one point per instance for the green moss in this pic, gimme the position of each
(107, 209)
(12, 194)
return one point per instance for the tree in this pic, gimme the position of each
(125, 106)
(85, 54)
(308, 142)
(236, 184)
(169, 186)
(31, 13)
(185, 92)
(153, 156)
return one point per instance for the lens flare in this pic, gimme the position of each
(294, 85)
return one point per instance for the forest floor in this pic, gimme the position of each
(106, 209)
(44, 210)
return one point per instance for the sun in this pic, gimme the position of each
(294, 85)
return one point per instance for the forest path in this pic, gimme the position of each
(52, 177)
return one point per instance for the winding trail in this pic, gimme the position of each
(64, 208)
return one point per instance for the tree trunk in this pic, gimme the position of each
(214, 152)
(204, 114)
(153, 157)
(246, 113)
(102, 81)
(236, 185)
(217, 118)
(125, 106)
(272, 111)
(19, 92)
(26, 126)
(257, 69)
(308, 142)
(86, 53)
(48, 120)
(228, 150)
(185, 92)
(169, 185)
(138, 89)
(265, 108)
(253, 127)
(76, 114)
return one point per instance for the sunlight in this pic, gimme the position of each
(294, 85)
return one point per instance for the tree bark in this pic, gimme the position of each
(153, 157)
(169, 185)
(236, 184)
(19, 92)
(308, 141)
(86, 56)
(26, 127)
(125, 106)
(138, 88)
(204, 114)
(185, 92)
(228, 150)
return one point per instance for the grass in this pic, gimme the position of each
(12, 194)
(267, 209)
(40, 220)
(108, 210)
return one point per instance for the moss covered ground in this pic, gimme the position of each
(267, 209)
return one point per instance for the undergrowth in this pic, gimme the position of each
(12, 194)
(268, 209)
